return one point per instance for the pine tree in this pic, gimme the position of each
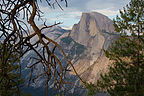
(126, 74)
(10, 80)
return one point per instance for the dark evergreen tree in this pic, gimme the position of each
(126, 74)
(91, 89)
(10, 79)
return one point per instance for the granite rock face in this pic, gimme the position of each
(89, 26)
(96, 32)
(84, 46)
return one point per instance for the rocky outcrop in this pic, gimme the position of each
(96, 32)
(89, 26)
(84, 47)
(72, 49)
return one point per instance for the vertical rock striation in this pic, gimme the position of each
(96, 32)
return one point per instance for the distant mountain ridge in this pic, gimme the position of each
(84, 46)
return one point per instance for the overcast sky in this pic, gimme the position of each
(72, 13)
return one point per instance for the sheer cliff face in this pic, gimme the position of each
(96, 32)
(90, 25)
(84, 47)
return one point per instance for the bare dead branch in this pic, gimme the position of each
(19, 38)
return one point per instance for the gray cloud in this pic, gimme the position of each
(71, 15)
(88, 5)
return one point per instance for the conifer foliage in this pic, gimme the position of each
(126, 74)
(10, 80)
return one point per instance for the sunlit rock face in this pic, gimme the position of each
(96, 32)
(84, 46)
(90, 25)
